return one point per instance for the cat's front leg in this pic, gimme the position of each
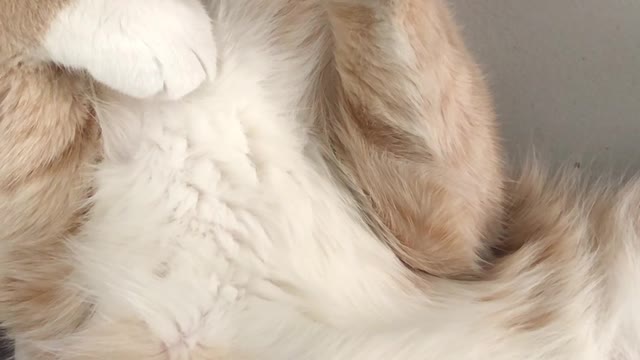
(142, 48)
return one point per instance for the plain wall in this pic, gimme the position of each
(565, 75)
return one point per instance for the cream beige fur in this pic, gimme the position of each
(23, 23)
(48, 142)
(415, 138)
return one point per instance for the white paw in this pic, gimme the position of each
(140, 48)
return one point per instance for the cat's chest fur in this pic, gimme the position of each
(214, 209)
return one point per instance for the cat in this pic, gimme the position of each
(328, 184)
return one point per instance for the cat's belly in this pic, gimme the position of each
(215, 223)
(212, 225)
(178, 238)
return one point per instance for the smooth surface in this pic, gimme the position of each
(565, 76)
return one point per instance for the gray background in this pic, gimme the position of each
(565, 75)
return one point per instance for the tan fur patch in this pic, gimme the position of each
(24, 22)
(412, 133)
(561, 239)
(48, 142)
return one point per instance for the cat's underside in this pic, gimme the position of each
(332, 189)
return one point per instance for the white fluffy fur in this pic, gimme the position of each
(137, 49)
(216, 226)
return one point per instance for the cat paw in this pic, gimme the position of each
(143, 49)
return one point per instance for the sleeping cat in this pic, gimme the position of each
(306, 179)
